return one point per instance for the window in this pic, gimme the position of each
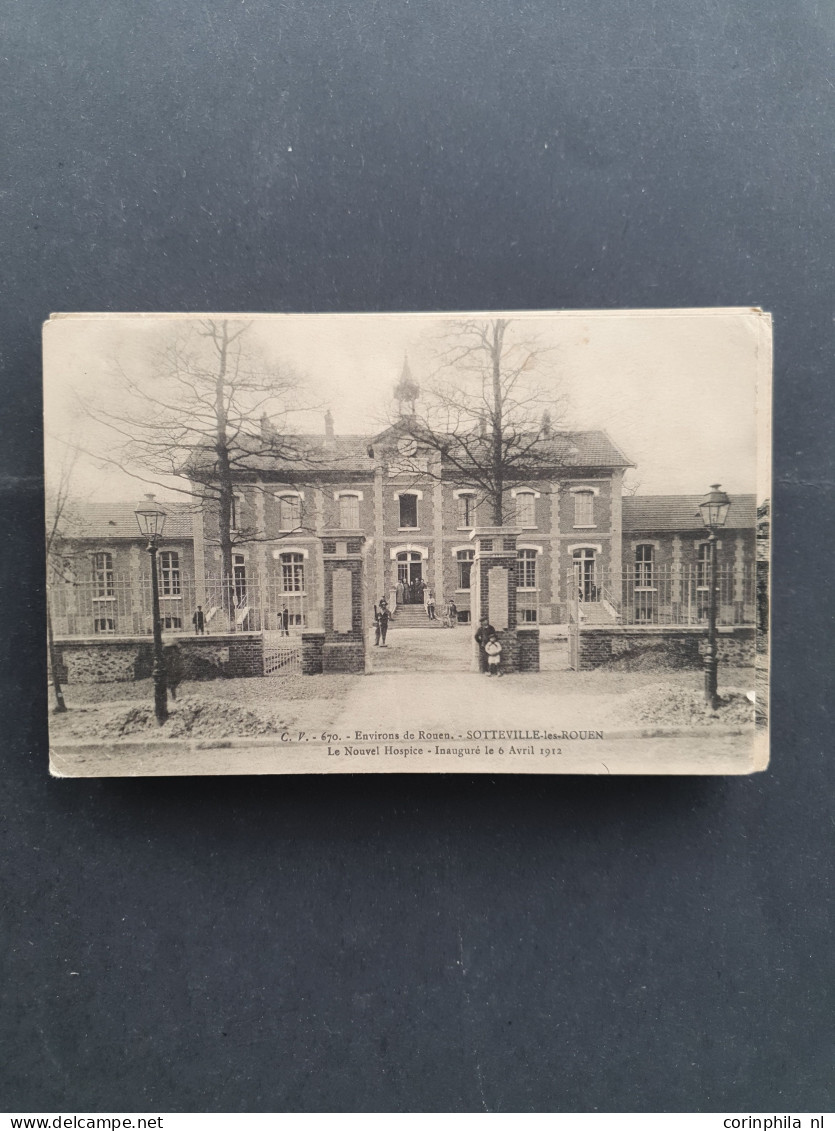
(239, 576)
(408, 511)
(465, 568)
(236, 504)
(525, 508)
(169, 573)
(703, 565)
(292, 573)
(529, 616)
(584, 508)
(466, 511)
(171, 622)
(585, 573)
(644, 562)
(104, 624)
(349, 512)
(289, 512)
(526, 569)
(103, 575)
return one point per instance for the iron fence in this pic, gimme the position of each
(122, 605)
(656, 595)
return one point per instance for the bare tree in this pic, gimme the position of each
(491, 414)
(209, 414)
(631, 485)
(58, 518)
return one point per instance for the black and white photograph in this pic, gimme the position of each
(499, 542)
(417, 447)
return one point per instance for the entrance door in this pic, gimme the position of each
(585, 574)
(409, 576)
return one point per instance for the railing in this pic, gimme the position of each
(663, 595)
(117, 605)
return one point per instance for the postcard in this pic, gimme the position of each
(487, 542)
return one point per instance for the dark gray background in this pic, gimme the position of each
(422, 944)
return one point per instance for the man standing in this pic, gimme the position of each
(199, 622)
(381, 623)
(485, 631)
(429, 603)
(285, 621)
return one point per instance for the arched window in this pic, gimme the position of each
(169, 573)
(409, 577)
(465, 568)
(525, 508)
(349, 512)
(526, 569)
(408, 512)
(466, 510)
(584, 508)
(585, 573)
(289, 512)
(103, 574)
(292, 573)
(644, 566)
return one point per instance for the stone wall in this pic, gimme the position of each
(120, 660)
(663, 648)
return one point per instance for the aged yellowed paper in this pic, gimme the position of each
(488, 542)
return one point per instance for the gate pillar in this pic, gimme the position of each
(343, 561)
(493, 592)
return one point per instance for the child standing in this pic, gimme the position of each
(494, 654)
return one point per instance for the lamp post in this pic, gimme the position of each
(151, 518)
(714, 511)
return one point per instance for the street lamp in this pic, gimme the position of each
(151, 519)
(714, 511)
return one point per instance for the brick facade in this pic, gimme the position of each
(420, 520)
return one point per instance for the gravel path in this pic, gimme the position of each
(427, 707)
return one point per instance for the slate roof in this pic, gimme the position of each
(314, 453)
(118, 520)
(681, 512)
(350, 453)
(592, 449)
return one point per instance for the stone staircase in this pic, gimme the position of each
(414, 616)
(597, 612)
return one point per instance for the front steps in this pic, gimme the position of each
(597, 612)
(414, 616)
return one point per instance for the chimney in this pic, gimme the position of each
(329, 427)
